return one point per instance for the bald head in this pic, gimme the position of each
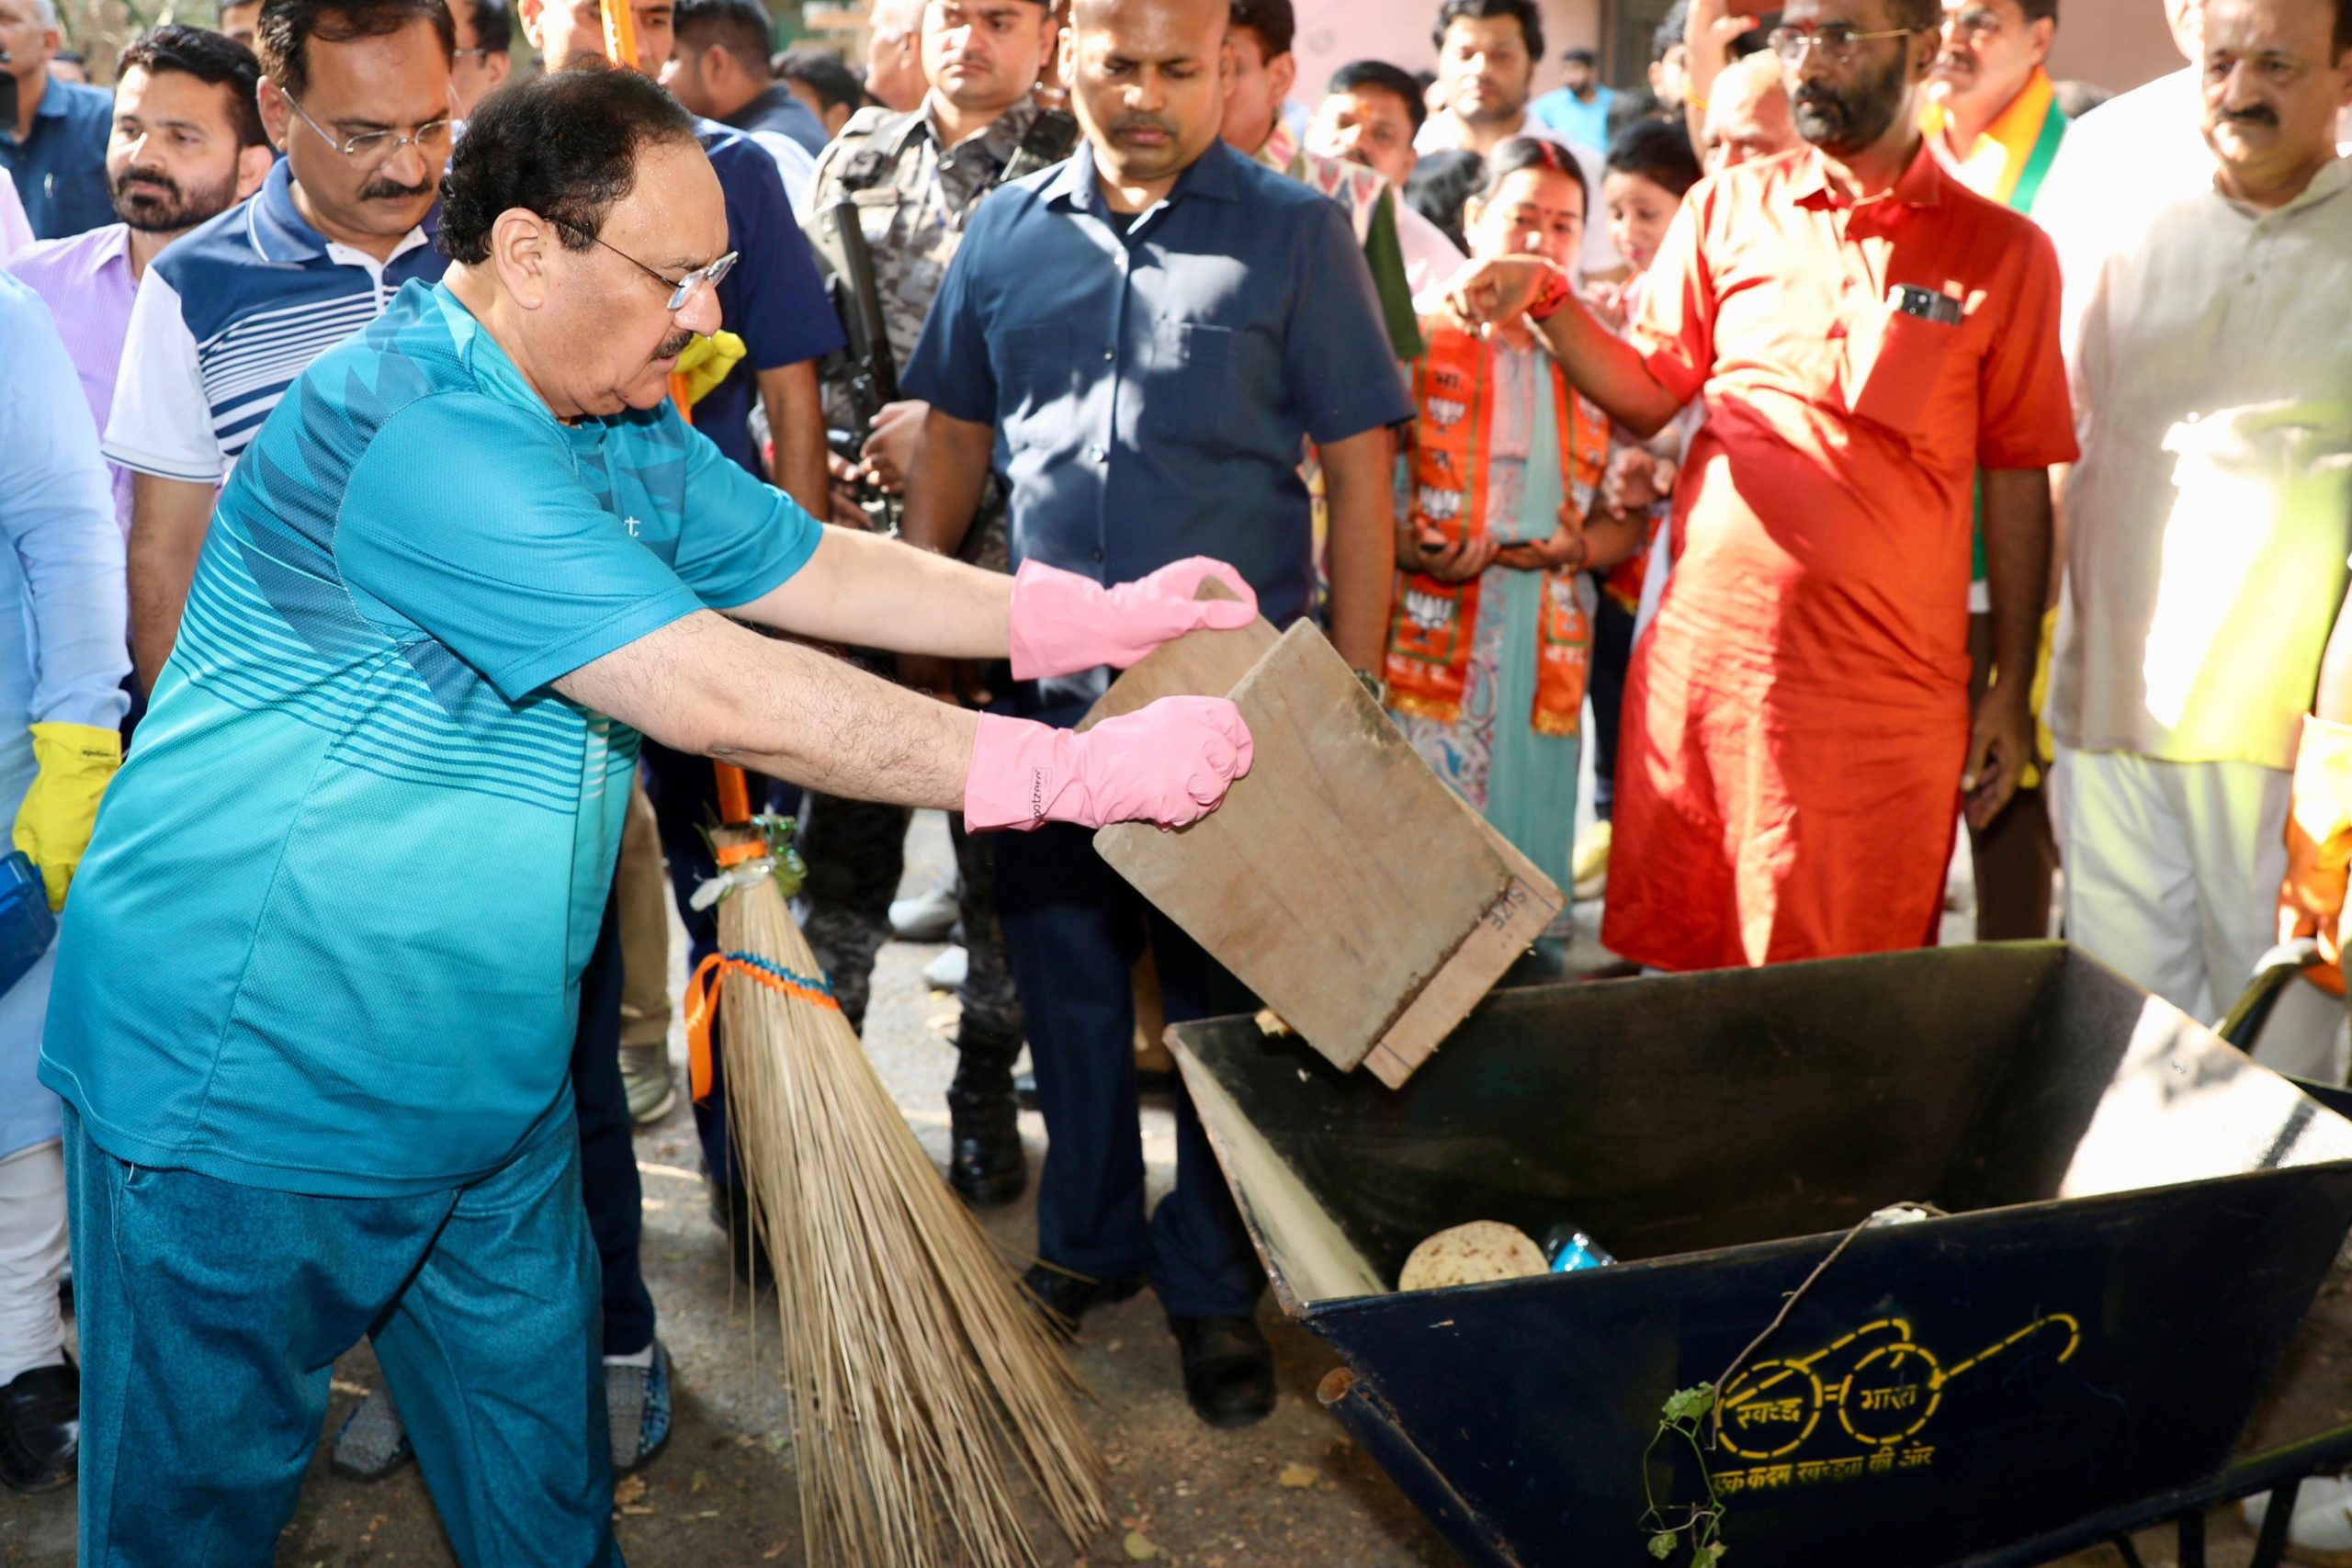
(1109, 13)
(1747, 117)
(894, 53)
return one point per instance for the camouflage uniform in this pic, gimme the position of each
(913, 200)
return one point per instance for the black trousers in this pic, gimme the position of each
(608, 1181)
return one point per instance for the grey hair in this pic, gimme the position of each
(45, 13)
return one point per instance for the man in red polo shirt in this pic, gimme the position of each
(1866, 333)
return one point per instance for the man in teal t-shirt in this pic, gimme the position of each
(316, 993)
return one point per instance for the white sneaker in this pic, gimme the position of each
(947, 972)
(2321, 1532)
(926, 917)
(645, 1079)
(1589, 872)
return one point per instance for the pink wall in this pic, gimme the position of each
(1333, 32)
(2117, 43)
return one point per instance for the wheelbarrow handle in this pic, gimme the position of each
(2242, 1025)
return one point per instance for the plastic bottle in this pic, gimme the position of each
(1570, 1248)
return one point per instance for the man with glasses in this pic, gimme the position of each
(1993, 117)
(1992, 114)
(1866, 335)
(485, 50)
(314, 1004)
(356, 94)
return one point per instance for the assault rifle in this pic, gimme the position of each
(872, 375)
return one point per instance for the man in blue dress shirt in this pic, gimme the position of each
(1138, 339)
(54, 147)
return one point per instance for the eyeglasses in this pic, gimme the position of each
(470, 55)
(681, 289)
(371, 149)
(1974, 23)
(1835, 41)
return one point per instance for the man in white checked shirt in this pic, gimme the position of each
(357, 94)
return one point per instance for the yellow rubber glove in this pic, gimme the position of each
(2319, 837)
(53, 825)
(706, 362)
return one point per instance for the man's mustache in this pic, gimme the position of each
(2253, 114)
(673, 344)
(1132, 122)
(162, 183)
(393, 190)
(1954, 63)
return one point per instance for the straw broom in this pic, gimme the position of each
(924, 1382)
(916, 1359)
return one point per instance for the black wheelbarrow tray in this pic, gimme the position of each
(2136, 1219)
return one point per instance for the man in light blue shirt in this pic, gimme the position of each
(62, 663)
(1578, 109)
(371, 823)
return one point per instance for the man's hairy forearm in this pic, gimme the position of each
(168, 521)
(859, 588)
(2017, 566)
(942, 493)
(705, 685)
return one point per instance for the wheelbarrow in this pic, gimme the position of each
(2128, 1218)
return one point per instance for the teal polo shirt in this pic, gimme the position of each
(329, 934)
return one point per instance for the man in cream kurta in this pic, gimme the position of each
(2208, 520)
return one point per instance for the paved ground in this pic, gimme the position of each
(1292, 1493)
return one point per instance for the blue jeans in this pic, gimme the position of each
(211, 1314)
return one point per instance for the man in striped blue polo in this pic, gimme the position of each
(356, 93)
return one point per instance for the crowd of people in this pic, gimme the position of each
(1848, 435)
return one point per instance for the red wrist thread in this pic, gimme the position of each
(1548, 299)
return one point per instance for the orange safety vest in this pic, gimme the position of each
(1435, 623)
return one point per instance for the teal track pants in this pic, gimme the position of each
(210, 1316)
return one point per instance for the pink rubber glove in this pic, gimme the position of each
(1063, 623)
(1169, 763)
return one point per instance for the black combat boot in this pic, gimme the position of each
(984, 1162)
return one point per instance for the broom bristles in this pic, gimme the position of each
(923, 1382)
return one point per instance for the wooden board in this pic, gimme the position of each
(1198, 664)
(1341, 880)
